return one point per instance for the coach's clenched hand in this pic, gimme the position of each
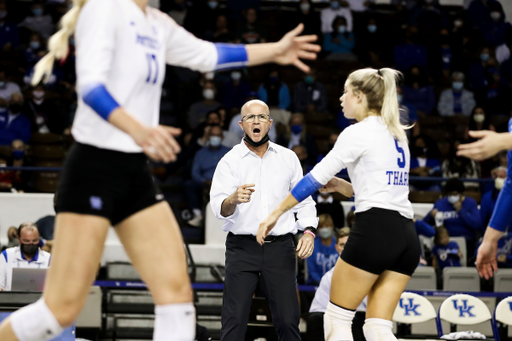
(306, 246)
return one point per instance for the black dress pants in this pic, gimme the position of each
(273, 265)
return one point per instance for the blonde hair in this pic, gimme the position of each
(379, 87)
(58, 45)
(325, 220)
(343, 232)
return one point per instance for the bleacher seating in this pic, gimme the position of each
(503, 280)
(423, 278)
(461, 279)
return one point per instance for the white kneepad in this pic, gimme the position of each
(338, 323)
(376, 329)
(35, 322)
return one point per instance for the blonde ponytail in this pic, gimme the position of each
(58, 45)
(379, 86)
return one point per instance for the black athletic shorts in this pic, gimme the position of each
(382, 240)
(105, 183)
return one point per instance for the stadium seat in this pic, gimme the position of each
(413, 308)
(502, 314)
(462, 309)
(503, 280)
(423, 278)
(461, 241)
(461, 279)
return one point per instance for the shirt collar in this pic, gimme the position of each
(22, 256)
(244, 150)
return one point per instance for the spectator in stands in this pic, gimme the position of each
(371, 46)
(302, 154)
(325, 204)
(6, 89)
(198, 110)
(315, 324)
(459, 213)
(8, 179)
(205, 162)
(499, 174)
(479, 12)
(408, 114)
(54, 80)
(351, 216)
(296, 134)
(418, 92)
(221, 32)
(251, 32)
(26, 255)
(43, 114)
(39, 21)
(445, 60)
(497, 93)
(494, 30)
(310, 95)
(428, 16)
(325, 253)
(12, 236)
(410, 53)
(9, 36)
(340, 42)
(445, 253)
(18, 159)
(477, 77)
(504, 254)
(35, 43)
(460, 167)
(235, 91)
(423, 163)
(333, 137)
(275, 93)
(457, 100)
(13, 124)
(335, 10)
(478, 120)
(306, 15)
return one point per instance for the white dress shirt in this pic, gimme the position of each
(274, 176)
(12, 258)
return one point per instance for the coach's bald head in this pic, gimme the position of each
(255, 106)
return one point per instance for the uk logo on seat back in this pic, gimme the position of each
(413, 308)
(463, 308)
(409, 307)
(503, 311)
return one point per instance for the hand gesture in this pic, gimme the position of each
(265, 227)
(243, 194)
(306, 246)
(158, 143)
(490, 144)
(486, 259)
(292, 47)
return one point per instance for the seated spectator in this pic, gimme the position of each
(325, 254)
(459, 214)
(479, 120)
(315, 330)
(43, 114)
(418, 92)
(446, 54)
(477, 77)
(198, 110)
(18, 159)
(275, 93)
(9, 36)
(35, 43)
(445, 253)
(6, 89)
(251, 32)
(235, 91)
(306, 14)
(8, 179)
(410, 53)
(26, 255)
(460, 167)
(202, 133)
(423, 163)
(296, 134)
(38, 22)
(335, 9)
(302, 154)
(55, 78)
(221, 33)
(497, 93)
(479, 13)
(205, 162)
(428, 16)
(457, 100)
(310, 95)
(325, 204)
(12, 237)
(351, 217)
(494, 30)
(340, 42)
(13, 124)
(499, 174)
(371, 47)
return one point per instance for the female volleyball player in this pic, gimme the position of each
(382, 251)
(122, 48)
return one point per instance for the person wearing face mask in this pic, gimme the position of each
(26, 255)
(296, 134)
(235, 91)
(6, 89)
(310, 95)
(274, 92)
(38, 21)
(478, 74)
(325, 255)
(494, 29)
(43, 114)
(9, 35)
(371, 46)
(251, 31)
(488, 202)
(329, 14)
(340, 42)
(326, 204)
(198, 110)
(460, 213)
(478, 120)
(457, 100)
(18, 159)
(410, 53)
(13, 124)
(34, 45)
(203, 167)
(305, 13)
(418, 92)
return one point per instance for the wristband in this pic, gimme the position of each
(311, 233)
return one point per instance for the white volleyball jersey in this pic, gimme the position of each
(126, 50)
(378, 166)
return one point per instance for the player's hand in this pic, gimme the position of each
(292, 47)
(486, 259)
(306, 246)
(265, 227)
(490, 144)
(158, 143)
(330, 187)
(242, 194)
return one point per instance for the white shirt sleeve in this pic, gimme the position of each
(224, 183)
(3, 272)
(95, 36)
(306, 209)
(349, 146)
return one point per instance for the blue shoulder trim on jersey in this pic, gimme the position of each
(501, 218)
(4, 253)
(100, 100)
(307, 186)
(231, 56)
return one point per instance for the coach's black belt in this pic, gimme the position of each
(268, 239)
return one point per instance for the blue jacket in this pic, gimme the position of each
(422, 98)
(464, 223)
(504, 248)
(407, 55)
(18, 129)
(345, 45)
(205, 162)
(321, 261)
(446, 255)
(284, 95)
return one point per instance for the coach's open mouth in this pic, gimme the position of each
(256, 130)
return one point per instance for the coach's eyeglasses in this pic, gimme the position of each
(261, 118)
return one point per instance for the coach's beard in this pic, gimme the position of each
(264, 140)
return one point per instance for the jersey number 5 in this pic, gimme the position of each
(401, 163)
(152, 68)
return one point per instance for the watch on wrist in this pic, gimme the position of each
(310, 228)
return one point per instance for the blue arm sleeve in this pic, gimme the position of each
(307, 186)
(100, 100)
(500, 217)
(424, 229)
(231, 56)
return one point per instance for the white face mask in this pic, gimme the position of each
(208, 94)
(38, 94)
(495, 15)
(479, 118)
(325, 232)
(235, 75)
(452, 199)
(305, 7)
(499, 183)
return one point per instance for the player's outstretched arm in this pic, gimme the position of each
(486, 257)
(490, 144)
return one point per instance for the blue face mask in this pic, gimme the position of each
(484, 57)
(296, 129)
(335, 5)
(457, 85)
(37, 12)
(309, 79)
(215, 141)
(18, 154)
(342, 29)
(34, 45)
(372, 28)
(213, 4)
